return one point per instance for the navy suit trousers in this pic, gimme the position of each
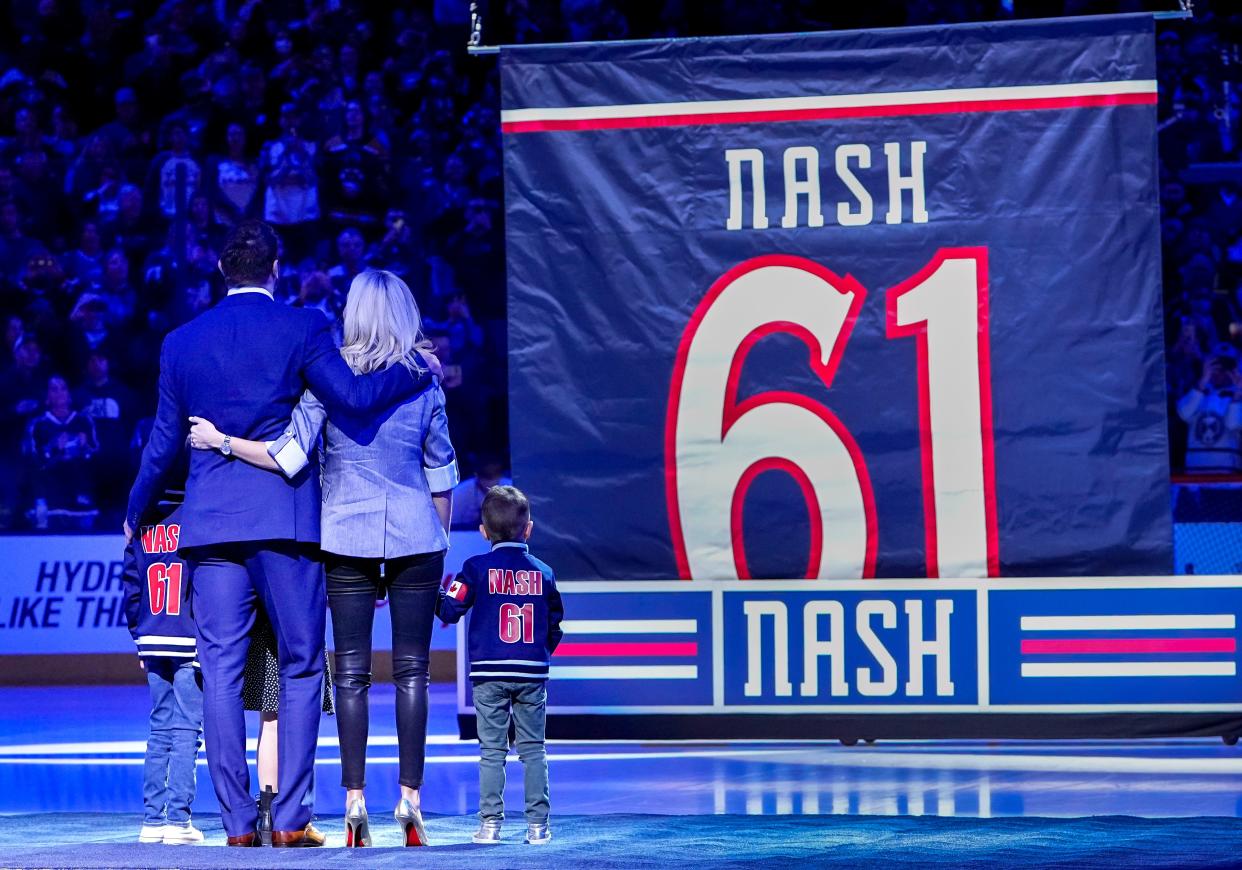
(228, 581)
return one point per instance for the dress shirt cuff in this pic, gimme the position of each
(443, 478)
(288, 454)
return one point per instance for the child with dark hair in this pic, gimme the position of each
(157, 613)
(514, 626)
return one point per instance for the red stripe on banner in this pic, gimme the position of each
(604, 650)
(830, 113)
(1092, 646)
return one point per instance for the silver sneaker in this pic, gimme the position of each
(537, 834)
(488, 833)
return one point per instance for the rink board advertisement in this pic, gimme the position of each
(927, 649)
(63, 594)
(840, 305)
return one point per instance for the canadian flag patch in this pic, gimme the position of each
(457, 591)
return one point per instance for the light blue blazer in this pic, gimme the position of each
(377, 474)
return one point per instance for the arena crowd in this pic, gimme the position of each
(134, 133)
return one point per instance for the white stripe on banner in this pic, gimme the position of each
(626, 672)
(837, 101)
(1129, 669)
(629, 626)
(1154, 622)
(170, 641)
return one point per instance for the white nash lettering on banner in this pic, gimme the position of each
(825, 634)
(801, 182)
(755, 612)
(717, 446)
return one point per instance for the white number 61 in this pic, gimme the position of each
(715, 446)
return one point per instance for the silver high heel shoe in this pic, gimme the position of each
(357, 830)
(411, 821)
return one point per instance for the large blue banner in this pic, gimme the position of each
(840, 305)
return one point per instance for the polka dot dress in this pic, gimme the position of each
(261, 681)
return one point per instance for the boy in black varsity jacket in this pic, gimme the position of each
(514, 625)
(157, 610)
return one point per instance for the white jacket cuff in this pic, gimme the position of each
(443, 478)
(288, 454)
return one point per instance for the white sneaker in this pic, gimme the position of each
(152, 834)
(176, 835)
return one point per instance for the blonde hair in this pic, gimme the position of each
(382, 324)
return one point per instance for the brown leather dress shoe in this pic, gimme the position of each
(243, 840)
(308, 836)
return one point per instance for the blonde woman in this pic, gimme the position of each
(387, 500)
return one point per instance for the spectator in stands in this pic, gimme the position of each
(234, 177)
(85, 264)
(113, 408)
(468, 495)
(202, 227)
(116, 290)
(1185, 359)
(63, 140)
(91, 329)
(125, 133)
(291, 188)
(26, 136)
(14, 328)
(15, 248)
(397, 251)
(129, 229)
(175, 161)
(33, 180)
(350, 247)
(476, 253)
(21, 389)
(93, 183)
(60, 446)
(317, 292)
(23, 384)
(465, 337)
(354, 171)
(1212, 410)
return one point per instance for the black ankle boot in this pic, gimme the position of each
(264, 825)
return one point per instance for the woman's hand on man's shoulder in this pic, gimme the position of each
(432, 363)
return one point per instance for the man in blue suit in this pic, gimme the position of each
(250, 536)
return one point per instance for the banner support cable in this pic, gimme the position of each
(476, 48)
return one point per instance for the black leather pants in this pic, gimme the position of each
(412, 584)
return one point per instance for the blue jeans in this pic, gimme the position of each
(168, 776)
(492, 704)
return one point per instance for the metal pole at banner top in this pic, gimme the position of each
(475, 46)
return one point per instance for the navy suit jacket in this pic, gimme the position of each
(244, 365)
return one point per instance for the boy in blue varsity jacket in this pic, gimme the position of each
(157, 610)
(514, 625)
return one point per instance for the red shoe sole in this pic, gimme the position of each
(411, 836)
